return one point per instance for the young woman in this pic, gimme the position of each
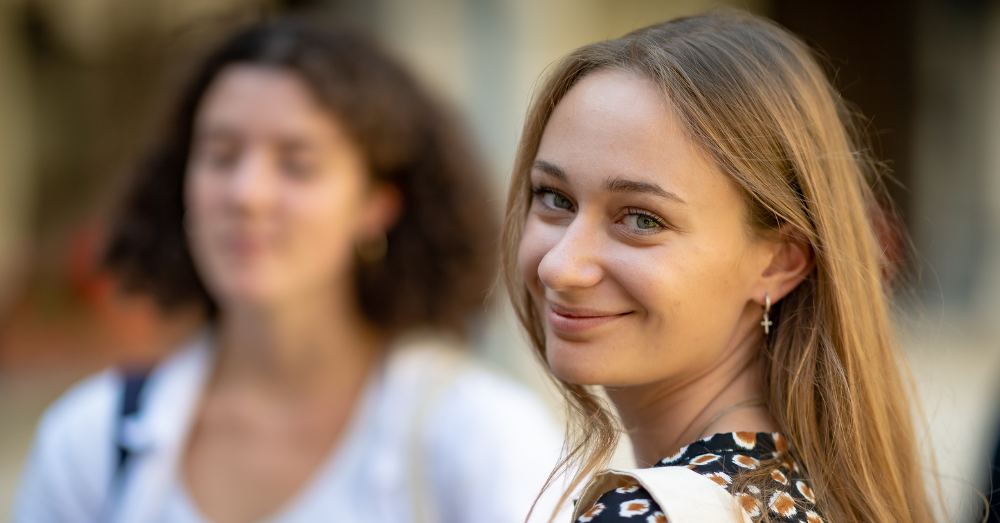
(320, 209)
(693, 225)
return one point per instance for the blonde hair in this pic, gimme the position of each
(757, 101)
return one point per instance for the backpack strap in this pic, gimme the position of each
(447, 367)
(684, 495)
(127, 408)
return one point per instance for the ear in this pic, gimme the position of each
(792, 259)
(382, 210)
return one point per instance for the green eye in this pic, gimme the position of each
(642, 222)
(557, 201)
(645, 222)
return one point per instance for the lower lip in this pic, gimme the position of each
(245, 248)
(578, 324)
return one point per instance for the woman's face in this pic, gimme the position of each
(636, 248)
(277, 195)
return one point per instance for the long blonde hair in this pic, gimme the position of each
(756, 100)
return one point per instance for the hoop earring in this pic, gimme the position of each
(767, 308)
(373, 249)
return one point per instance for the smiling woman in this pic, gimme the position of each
(692, 224)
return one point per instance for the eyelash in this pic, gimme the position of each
(542, 190)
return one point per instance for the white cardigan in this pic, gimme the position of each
(486, 445)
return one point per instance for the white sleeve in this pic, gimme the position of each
(493, 447)
(68, 471)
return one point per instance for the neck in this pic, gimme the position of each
(663, 416)
(313, 341)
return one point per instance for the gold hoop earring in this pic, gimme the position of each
(767, 308)
(373, 249)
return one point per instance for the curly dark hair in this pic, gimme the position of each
(441, 252)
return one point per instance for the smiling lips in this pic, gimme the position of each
(578, 320)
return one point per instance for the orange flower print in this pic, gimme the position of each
(720, 478)
(813, 517)
(805, 491)
(674, 457)
(627, 490)
(635, 507)
(591, 514)
(747, 440)
(787, 463)
(780, 443)
(749, 504)
(705, 459)
(779, 476)
(782, 504)
(745, 461)
(656, 517)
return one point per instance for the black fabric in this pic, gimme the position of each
(128, 407)
(993, 493)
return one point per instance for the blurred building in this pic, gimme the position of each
(83, 83)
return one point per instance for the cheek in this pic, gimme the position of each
(204, 208)
(691, 299)
(675, 280)
(322, 229)
(537, 240)
(203, 195)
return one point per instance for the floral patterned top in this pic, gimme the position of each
(786, 495)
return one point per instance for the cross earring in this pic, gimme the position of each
(767, 308)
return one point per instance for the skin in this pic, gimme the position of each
(638, 255)
(277, 198)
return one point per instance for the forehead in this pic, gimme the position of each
(262, 100)
(613, 123)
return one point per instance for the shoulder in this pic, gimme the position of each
(757, 470)
(81, 419)
(74, 450)
(70, 461)
(465, 395)
(490, 442)
(483, 407)
(84, 417)
(486, 396)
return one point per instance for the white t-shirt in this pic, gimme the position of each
(463, 445)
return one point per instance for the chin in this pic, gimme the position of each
(580, 363)
(244, 291)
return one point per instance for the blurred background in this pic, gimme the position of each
(83, 84)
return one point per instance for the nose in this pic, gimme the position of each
(250, 184)
(574, 261)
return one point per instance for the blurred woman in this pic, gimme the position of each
(322, 212)
(693, 225)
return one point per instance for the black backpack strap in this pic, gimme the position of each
(129, 407)
(993, 499)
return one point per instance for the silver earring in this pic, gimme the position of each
(767, 308)
(373, 249)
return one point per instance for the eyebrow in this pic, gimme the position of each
(631, 186)
(551, 169)
(615, 185)
(224, 132)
